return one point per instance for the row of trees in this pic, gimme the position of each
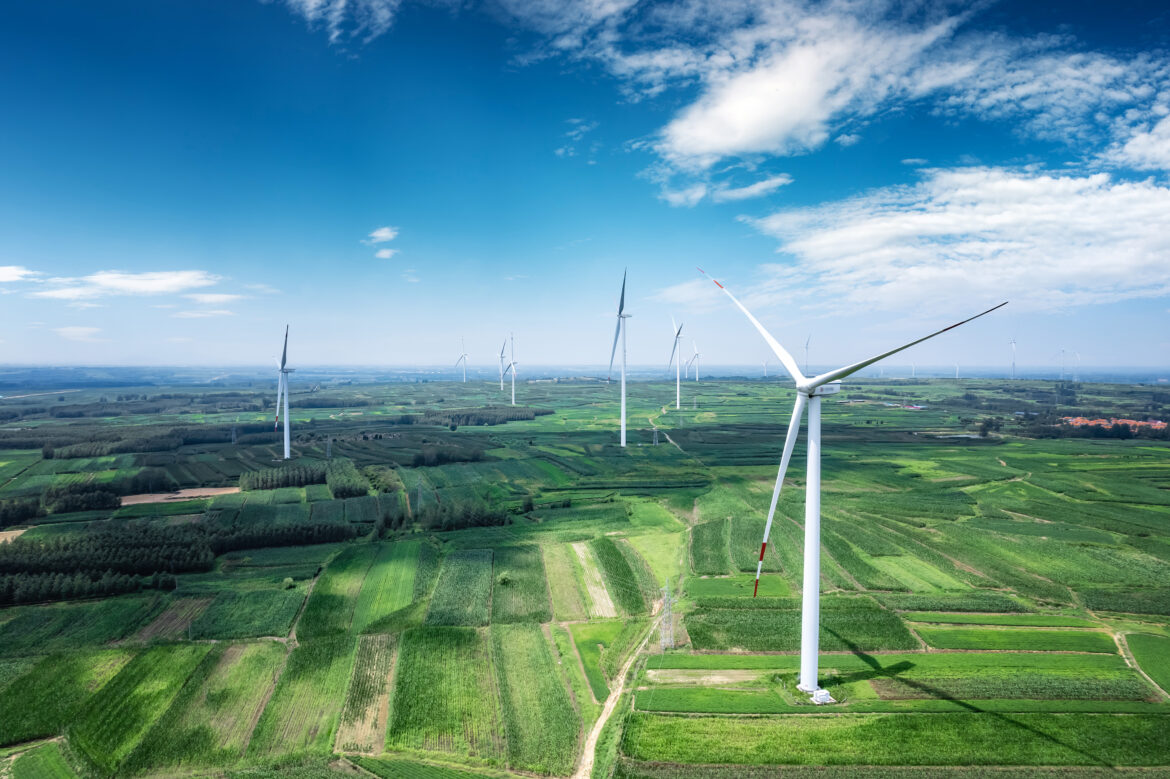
(39, 588)
(137, 548)
(344, 480)
(299, 475)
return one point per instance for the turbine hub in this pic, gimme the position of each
(831, 388)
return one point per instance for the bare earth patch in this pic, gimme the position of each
(178, 496)
(697, 676)
(363, 720)
(602, 604)
(8, 535)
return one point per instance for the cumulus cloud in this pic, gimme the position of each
(382, 235)
(763, 187)
(385, 254)
(1145, 149)
(112, 282)
(964, 237)
(78, 333)
(11, 273)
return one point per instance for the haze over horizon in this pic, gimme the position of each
(387, 176)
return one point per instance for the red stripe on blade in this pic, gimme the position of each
(756, 591)
(763, 546)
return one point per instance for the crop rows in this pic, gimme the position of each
(519, 593)
(363, 720)
(388, 585)
(331, 606)
(463, 593)
(445, 697)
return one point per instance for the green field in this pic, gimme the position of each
(113, 722)
(445, 695)
(461, 597)
(519, 592)
(301, 717)
(211, 719)
(539, 719)
(464, 590)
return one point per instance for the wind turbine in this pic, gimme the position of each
(809, 391)
(806, 343)
(282, 389)
(1013, 343)
(676, 358)
(694, 360)
(621, 330)
(462, 358)
(765, 369)
(511, 367)
(502, 347)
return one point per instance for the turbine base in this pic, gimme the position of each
(821, 697)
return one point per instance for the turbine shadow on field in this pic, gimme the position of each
(892, 673)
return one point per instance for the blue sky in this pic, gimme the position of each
(179, 179)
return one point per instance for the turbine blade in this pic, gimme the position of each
(622, 299)
(780, 352)
(613, 352)
(279, 392)
(789, 445)
(673, 351)
(284, 354)
(841, 373)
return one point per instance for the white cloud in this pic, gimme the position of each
(965, 237)
(84, 304)
(410, 275)
(262, 289)
(347, 19)
(915, 161)
(203, 313)
(213, 298)
(111, 282)
(1146, 149)
(11, 273)
(687, 196)
(760, 188)
(385, 254)
(382, 234)
(77, 333)
(848, 139)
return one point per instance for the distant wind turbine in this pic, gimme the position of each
(462, 358)
(622, 316)
(282, 390)
(695, 359)
(809, 391)
(1013, 343)
(765, 369)
(512, 368)
(806, 343)
(502, 347)
(676, 358)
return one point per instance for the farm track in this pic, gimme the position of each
(588, 756)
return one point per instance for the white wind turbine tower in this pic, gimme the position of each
(512, 367)
(621, 331)
(809, 391)
(502, 347)
(1013, 343)
(462, 358)
(282, 389)
(765, 369)
(676, 358)
(695, 360)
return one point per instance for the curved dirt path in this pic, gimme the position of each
(585, 767)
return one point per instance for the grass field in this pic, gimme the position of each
(1153, 655)
(1016, 639)
(564, 582)
(211, 720)
(709, 548)
(248, 613)
(301, 717)
(904, 739)
(464, 591)
(330, 610)
(541, 726)
(43, 762)
(1024, 620)
(445, 695)
(388, 585)
(46, 698)
(118, 716)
